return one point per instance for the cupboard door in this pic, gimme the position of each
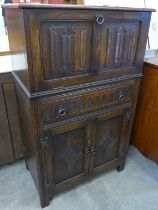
(70, 48)
(3, 113)
(6, 150)
(66, 157)
(13, 116)
(64, 47)
(111, 140)
(120, 44)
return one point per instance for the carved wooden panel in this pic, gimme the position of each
(118, 44)
(107, 140)
(68, 154)
(66, 48)
(60, 108)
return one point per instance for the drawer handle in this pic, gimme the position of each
(99, 19)
(121, 97)
(62, 111)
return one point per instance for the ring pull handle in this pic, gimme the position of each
(62, 111)
(100, 19)
(121, 97)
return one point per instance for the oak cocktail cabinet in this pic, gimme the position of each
(77, 71)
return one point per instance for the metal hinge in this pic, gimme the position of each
(90, 151)
(44, 142)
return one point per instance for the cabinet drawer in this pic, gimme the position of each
(78, 103)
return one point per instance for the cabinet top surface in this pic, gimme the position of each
(153, 62)
(69, 6)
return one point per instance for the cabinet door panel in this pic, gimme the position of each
(13, 116)
(65, 155)
(6, 150)
(68, 154)
(71, 48)
(118, 44)
(3, 113)
(107, 140)
(111, 140)
(66, 48)
(121, 46)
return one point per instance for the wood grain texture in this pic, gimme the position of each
(6, 150)
(6, 78)
(62, 6)
(13, 117)
(145, 134)
(84, 72)
(11, 146)
(68, 49)
(3, 113)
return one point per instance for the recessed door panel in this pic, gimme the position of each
(66, 48)
(118, 44)
(107, 140)
(111, 139)
(68, 154)
(63, 154)
(71, 48)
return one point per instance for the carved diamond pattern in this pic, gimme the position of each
(108, 140)
(69, 154)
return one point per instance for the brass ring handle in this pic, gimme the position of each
(121, 97)
(100, 19)
(62, 111)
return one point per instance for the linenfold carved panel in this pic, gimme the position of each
(66, 48)
(118, 44)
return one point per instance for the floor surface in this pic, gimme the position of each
(135, 188)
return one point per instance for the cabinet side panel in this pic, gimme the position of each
(29, 135)
(16, 34)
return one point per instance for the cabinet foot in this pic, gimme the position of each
(45, 200)
(26, 165)
(44, 204)
(121, 166)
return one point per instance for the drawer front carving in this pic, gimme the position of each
(64, 107)
(71, 49)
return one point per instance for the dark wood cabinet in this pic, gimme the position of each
(144, 133)
(77, 88)
(11, 146)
